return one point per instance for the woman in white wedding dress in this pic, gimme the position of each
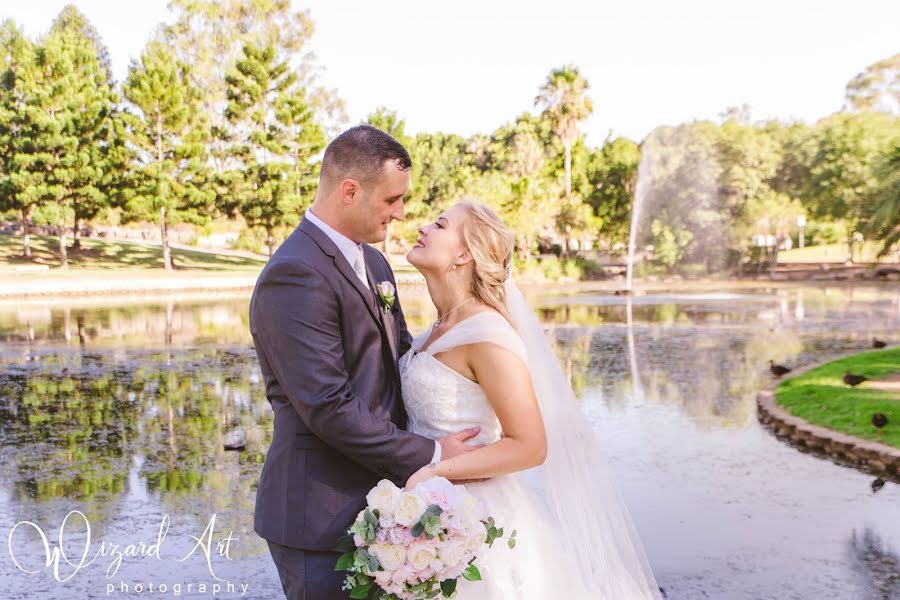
(487, 364)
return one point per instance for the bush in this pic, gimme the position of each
(819, 233)
(252, 239)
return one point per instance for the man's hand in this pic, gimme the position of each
(452, 445)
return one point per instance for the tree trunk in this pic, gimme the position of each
(63, 256)
(270, 241)
(82, 330)
(76, 235)
(568, 162)
(164, 239)
(774, 263)
(26, 230)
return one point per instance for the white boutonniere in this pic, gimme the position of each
(387, 294)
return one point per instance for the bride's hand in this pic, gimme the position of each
(420, 476)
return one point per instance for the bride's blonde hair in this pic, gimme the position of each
(491, 244)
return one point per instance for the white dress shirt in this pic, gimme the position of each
(350, 250)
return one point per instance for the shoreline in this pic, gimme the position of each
(125, 284)
(874, 458)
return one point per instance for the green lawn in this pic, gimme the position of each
(101, 255)
(821, 397)
(831, 253)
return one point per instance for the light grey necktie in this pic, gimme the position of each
(360, 266)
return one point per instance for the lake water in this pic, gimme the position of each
(118, 408)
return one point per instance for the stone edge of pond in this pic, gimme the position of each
(872, 457)
(131, 286)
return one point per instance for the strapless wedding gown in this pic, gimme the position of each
(440, 401)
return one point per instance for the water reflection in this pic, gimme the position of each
(121, 410)
(877, 564)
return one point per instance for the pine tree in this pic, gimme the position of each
(16, 58)
(276, 136)
(169, 135)
(97, 158)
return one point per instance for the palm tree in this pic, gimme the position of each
(564, 104)
(885, 217)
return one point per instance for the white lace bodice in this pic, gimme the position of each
(440, 401)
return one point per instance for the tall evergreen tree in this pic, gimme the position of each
(16, 58)
(169, 136)
(66, 104)
(276, 136)
(99, 155)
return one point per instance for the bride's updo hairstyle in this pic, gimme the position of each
(491, 244)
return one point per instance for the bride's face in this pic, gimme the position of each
(440, 245)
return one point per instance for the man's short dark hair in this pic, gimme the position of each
(360, 153)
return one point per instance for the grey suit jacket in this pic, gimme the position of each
(329, 356)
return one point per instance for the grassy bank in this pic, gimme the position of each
(821, 397)
(101, 256)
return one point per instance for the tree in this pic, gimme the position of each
(65, 109)
(565, 104)
(209, 37)
(276, 139)
(388, 121)
(101, 151)
(883, 218)
(169, 136)
(843, 180)
(612, 177)
(877, 88)
(17, 55)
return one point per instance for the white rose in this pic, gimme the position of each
(421, 555)
(452, 552)
(389, 556)
(383, 497)
(409, 509)
(386, 521)
(382, 578)
(469, 510)
(396, 535)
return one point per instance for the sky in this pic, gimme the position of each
(470, 66)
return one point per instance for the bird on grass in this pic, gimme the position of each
(778, 370)
(879, 420)
(854, 380)
(876, 343)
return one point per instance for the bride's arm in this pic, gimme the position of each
(506, 382)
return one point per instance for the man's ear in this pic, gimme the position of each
(348, 190)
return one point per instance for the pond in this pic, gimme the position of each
(114, 412)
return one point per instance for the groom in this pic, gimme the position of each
(328, 346)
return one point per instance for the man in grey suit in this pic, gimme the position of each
(328, 348)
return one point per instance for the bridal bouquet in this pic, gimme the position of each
(409, 545)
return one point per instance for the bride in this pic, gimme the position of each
(486, 363)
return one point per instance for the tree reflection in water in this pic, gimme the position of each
(876, 563)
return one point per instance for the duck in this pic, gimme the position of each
(876, 343)
(879, 420)
(778, 370)
(854, 380)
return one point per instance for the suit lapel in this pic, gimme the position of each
(386, 316)
(369, 297)
(343, 267)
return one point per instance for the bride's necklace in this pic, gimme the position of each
(444, 317)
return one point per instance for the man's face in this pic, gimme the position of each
(381, 203)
